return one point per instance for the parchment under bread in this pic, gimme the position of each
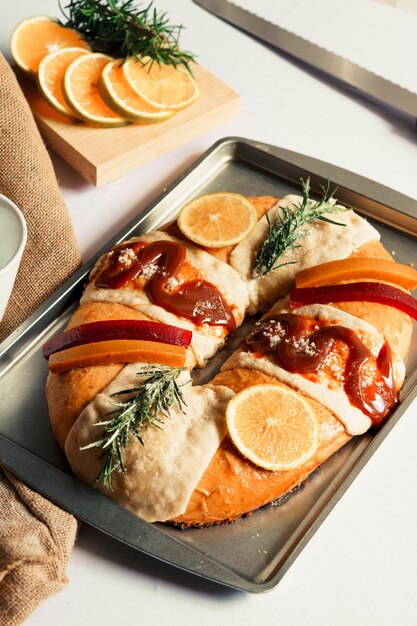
(323, 242)
(162, 474)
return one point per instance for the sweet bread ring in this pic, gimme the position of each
(69, 393)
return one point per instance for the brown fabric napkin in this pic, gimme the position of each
(35, 535)
(36, 538)
(27, 177)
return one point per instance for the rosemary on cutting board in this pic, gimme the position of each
(288, 227)
(153, 398)
(121, 29)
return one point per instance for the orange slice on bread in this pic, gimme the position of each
(217, 220)
(273, 427)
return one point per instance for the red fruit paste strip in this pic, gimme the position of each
(380, 293)
(118, 329)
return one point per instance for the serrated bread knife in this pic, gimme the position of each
(313, 55)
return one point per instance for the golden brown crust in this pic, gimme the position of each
(69, 393)
(232, 486)
(97, 311)
(373, 249)
(396, 326)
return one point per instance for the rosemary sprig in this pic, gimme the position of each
(288, 227)
(121, 29)
(153, 398)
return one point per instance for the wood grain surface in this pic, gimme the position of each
(101, 155)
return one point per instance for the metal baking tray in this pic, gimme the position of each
(253, 553)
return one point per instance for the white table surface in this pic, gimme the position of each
(360, 566)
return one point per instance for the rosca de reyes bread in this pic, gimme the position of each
(120, 399)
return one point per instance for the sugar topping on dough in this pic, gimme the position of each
(206, 340)
(163, 474)
(326, 389)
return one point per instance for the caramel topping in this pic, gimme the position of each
(304, 346)
(160, 262)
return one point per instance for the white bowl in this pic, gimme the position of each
(13, 235)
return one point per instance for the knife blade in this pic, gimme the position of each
(315, 56)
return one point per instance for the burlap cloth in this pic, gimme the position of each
(27, 177)
(36, 538)
(35, 535)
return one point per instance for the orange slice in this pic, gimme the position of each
(81, 93)
(35, 37)
(218, 219)
(50, 74)
(123, 100)
(117, 351)
(273, 427)
(161, 86)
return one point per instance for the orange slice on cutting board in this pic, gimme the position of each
(35, 37)
(123, 100)
(273, 427)
(50, 74)
(217, 220)
(161, 86)
(81, 92)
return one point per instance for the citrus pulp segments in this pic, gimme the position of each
(35, 37)
(272, 426)
(161, 86)
(50, 74)
(80, 89)
(123, 100)
(217, 220)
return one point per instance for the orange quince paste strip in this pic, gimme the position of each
(358, 268)
(117, 351)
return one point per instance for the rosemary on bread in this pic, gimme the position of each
(288, 227)
(121, 29)
(152, 399)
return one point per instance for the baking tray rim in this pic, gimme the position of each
(20, 341)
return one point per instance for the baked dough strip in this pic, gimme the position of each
(225, 485)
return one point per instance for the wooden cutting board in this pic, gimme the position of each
(102, 155)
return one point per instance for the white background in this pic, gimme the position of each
(360, 566)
